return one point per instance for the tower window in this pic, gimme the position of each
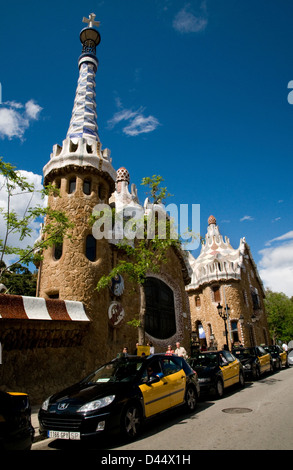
(87, 189)
(57, 186)
(217, 294)
(91, 248)
(72, 185)
(102, 192)
(255, 298)
(58, 248)
(160, 311)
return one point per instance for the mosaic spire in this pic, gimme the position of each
(83, 123)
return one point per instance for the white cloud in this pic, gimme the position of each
(32, 109)
(246, 217)
(137, 122)
(20, 202)
(276, 264)
(286, 236)
(188, 21)
(15, 118)
(141, 124)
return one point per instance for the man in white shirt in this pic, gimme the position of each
(180, 351)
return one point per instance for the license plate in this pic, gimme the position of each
(75, 436)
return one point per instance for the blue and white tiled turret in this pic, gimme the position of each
(82, 146)
(84, 117)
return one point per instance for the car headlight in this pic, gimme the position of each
(96, 404)
(247, 366)
(45, 405)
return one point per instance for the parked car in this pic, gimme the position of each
(16, 430)
(279, 356)
(255, 360)
(217, 370)
(120, 395)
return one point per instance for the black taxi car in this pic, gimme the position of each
(255, 360)
(217, 370)
(16, 430)
(279, 356)
(119, 396)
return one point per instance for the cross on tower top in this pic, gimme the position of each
(91, 20)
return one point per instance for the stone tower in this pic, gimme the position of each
(84, 174)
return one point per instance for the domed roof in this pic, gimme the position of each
(122, 175)
(212, 220)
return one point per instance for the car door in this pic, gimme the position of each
(230, 368)
(283, 356)
(176, 378)
(156, 395)
(264, 359)
(225, 368)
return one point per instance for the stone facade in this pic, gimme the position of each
(229, 277)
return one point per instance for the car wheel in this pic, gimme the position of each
(190, 399)
(219, 388)
(241, 379)
(131, 421)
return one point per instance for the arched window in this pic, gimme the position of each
(72, 185)
(91, 248)
(255, 298)
(87, 187)
(160, 311)
(58, 248)
(217, 293)
(57, 186)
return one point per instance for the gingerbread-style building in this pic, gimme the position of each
(226, 277)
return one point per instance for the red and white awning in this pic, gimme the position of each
(18, 307)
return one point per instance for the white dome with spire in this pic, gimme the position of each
(218, 260)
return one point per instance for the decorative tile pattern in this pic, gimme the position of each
(83, 121)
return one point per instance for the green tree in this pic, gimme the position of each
(55, 229)
(279, 310)
(144, 256)
(20, 281)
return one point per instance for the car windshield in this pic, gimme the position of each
(116, 371)
(244, 352)
(205, 360)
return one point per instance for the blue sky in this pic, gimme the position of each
(195, 91)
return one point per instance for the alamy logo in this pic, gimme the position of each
(290, 95)
(156, 220)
